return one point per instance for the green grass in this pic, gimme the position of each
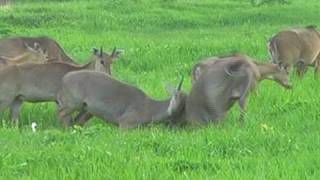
(162, 39)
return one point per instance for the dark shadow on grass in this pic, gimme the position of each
(186, 165)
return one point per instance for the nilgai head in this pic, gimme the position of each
(37, 54)
(104, 60)
(178, 99)
(281, 76)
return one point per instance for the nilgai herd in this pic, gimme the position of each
(36, 69)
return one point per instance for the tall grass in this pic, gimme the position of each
(163, 39)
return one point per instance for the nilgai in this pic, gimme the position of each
(224, 81)
(114, 101)
(14, 46)
(40, 82)
(298, 47)
(32, 54)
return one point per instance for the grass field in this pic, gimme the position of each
(163, 38)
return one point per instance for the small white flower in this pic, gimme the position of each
(33, 126)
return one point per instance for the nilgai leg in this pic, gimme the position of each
(65, 115)
(317, 66)
(82, 118)
(301, 68)
(14, 109)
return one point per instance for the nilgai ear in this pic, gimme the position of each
(29, 48)
(45, 53)
(197, 72)
(233, 68)
(117, 54)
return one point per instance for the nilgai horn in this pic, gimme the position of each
(32, 54)
(114, 101)
(298, 47)
(223, 82)
(39, 82)
(108, 58)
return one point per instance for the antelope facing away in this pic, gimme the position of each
(223, 81)
(32, 54)
(298, 47)
(40, 82)
(114, 101)
(15, 46)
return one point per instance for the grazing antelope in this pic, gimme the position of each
(32, 54)
(221, 82)
(40, 82)
(114, 101)
(15, 46)
(298, 47)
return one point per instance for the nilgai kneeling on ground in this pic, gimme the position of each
(222, 82)
(298, 47)
(119, 103)
(40, 82)
(31, 54)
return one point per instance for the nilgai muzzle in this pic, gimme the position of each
(38, 82)
(117, 102)
(298, 47)
(225, 81)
